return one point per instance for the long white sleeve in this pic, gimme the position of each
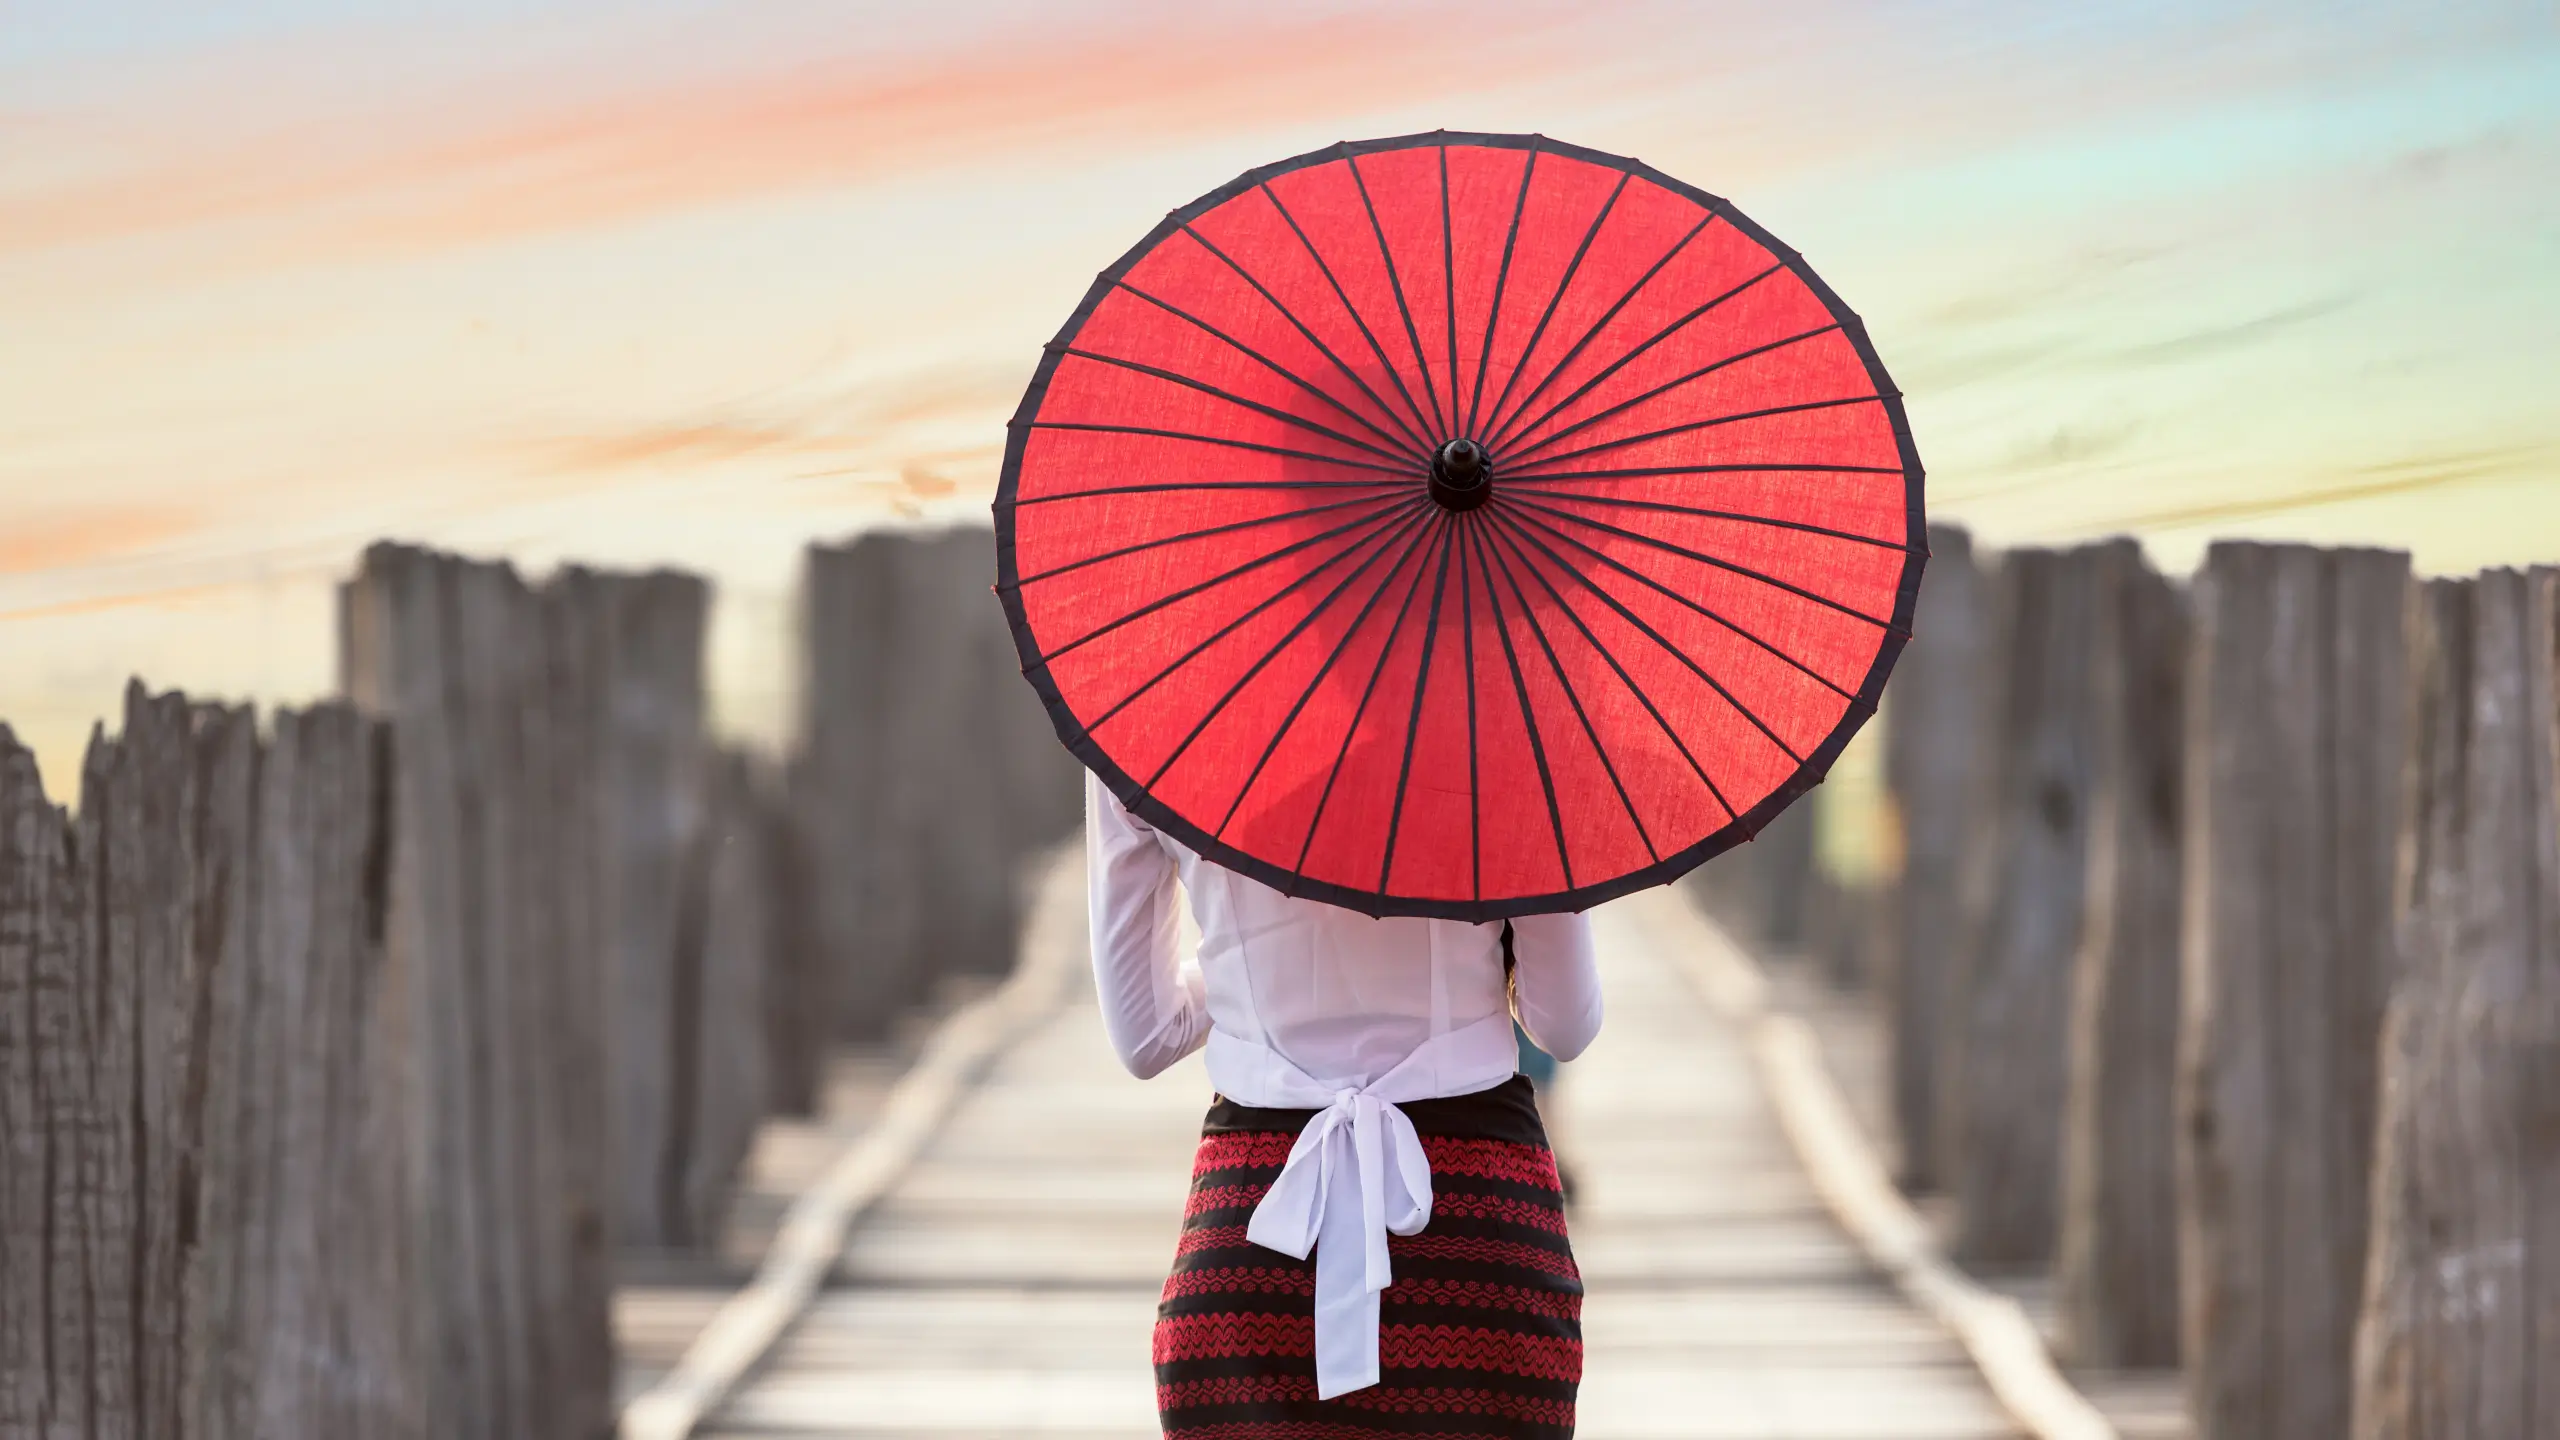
(1153, 1004)
(1559, 981)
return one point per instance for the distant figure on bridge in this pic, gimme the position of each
(1376, 1232)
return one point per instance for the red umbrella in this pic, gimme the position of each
(1459, 525)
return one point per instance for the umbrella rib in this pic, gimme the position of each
(1100, 429)
(1573, 698)
(1573, 268)
(1636, 353)
(1267, 362)
(1395, 283)
(1352, 730)
(1290, 720)
(1381, 543)
(1707, 424)
(1180, 485)
(1205, 388)
(1362, 325)
(1449, 286)
(1160, 541)
(1421, 683)
(1213, 582)
(1739, 516)
(1521, 455)
(1501, 281)
(1501, 432)
(1513, 542)
(1649, 582)
(1420, 445)
(1739, 467)
(1528, 718)
(1678, 654)
(1223, 631)
(1703, 558)
(1475, 780)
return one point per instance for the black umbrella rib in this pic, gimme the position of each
(1637, 353)
(1274, 366)
(1351, 731)
(1475, 779)
(1314, 683)
(1649, 582)
(1709, 424)
(1573, 698)
(1521, 455)
(1172, 486)
(1738, 467)
(1502, 425)
(1719, 562)
(1571, 269)
(1362, 325)
(1413, 723)
(1669, 733)
(1231, 398)
(1667, 646)
(1212, 583)
(1501, 282)
(1395, 285)
(1449, 286)
(1232, 444)
(1528, 717)
(1372, 541)
(1420, 445)
(1377, 547)
(1742, 517)
(1159, 542)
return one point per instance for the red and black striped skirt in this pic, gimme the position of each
(1479, 1338)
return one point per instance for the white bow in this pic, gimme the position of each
(1306, 1209)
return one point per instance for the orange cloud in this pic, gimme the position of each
(823, 121)
(64, 539)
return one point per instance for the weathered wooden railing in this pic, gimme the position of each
(2221, 978)
(337, 1064)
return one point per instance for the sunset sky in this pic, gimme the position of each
(660, 281)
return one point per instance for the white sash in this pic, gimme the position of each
(1360, 1139)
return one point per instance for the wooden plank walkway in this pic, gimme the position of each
(1006, 1286)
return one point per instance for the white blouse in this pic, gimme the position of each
(1304, 1005)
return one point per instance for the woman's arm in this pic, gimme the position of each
(1152, 1002)
(1557, 981)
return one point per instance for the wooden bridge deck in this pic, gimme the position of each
(1006, 1285)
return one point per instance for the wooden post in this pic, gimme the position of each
(2462, 1289)
(927, 774)
(854, 796)
(646, 746)
(2295, 743)
(491, 938)
(2117, 1276)
(728, 967)
(211, 921)
(2009, 997)
(59, 1134)
(1936, 709)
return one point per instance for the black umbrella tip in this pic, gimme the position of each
(1461, 475)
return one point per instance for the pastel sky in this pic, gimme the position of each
(661, 281)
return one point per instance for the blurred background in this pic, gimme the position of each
(682, 282)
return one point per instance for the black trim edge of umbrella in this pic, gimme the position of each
(1818, 762)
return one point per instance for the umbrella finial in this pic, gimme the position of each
(1460, 478)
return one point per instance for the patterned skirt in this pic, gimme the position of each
(1479, 1338)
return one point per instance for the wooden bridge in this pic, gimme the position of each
(493, 1053)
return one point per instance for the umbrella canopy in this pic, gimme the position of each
(1459, 525)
